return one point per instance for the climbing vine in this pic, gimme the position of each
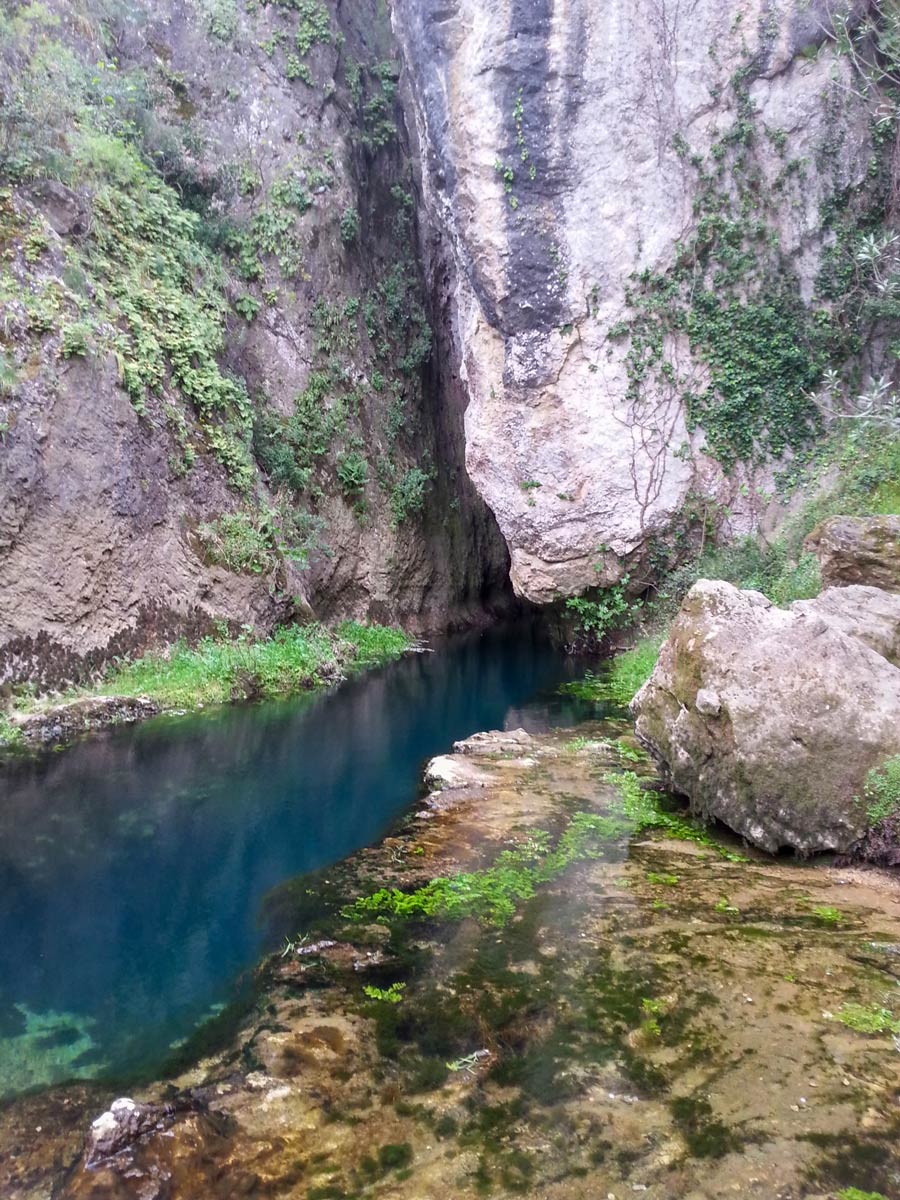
(759, 352)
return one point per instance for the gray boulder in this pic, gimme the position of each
(119, 1127)
(769, 719)
(863, 550)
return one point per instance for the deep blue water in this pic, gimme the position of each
(133, 865)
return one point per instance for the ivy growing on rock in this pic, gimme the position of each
(759, 350)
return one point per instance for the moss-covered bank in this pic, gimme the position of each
(218, 670)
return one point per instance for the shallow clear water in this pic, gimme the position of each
(132, 866)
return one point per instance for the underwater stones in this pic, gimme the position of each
(123, 1123)
(862, 550)
(805, 706)
(65, 721)
(495, 742)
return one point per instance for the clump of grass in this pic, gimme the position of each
(622, 677)
(388, 995)
(219, 670)
(643, 808)
(882, 791)
(853, 1193)
(10, 735)
(373, 645)
(828, 914)
(868, 1018)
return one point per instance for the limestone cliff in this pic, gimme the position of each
(284, 329)
(641, 209)
(217, 394)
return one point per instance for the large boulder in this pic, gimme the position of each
(769, 719)
(863, 550)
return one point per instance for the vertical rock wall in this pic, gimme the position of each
(567, 145)
(335, 483)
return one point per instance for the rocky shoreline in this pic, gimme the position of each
(661, 1016)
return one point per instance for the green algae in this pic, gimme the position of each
(853, 1193)
(622, 677)
(827, 914)
(493, 894)
(662, 878)
(644, 807)
(44, 1048)
(580, 1019)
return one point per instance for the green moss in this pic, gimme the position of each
(827, 914)
(869, 1018)
(853, 1193)
(491, 895)
(622, 677)
(642, 806)
(389, 995)
(882, 791)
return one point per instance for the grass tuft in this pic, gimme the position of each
(622, 677)
(217, 671)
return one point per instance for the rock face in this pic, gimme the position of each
(283, 146)
(769, 719)
(117, 1128)
(862, 550)
(567, 150)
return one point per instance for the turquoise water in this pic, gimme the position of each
(133, 865)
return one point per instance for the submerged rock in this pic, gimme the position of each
(121, 1125)
(65, 721)
(769, 719)
(862, 550)
(630, 1001)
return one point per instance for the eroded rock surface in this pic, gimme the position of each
(64, 721)
(561, 145)
(858, 550)
(769, 719)
(104, 496)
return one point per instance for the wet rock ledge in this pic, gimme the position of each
(658, 1017)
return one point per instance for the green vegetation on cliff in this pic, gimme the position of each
(882, 791)
(149, 243)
